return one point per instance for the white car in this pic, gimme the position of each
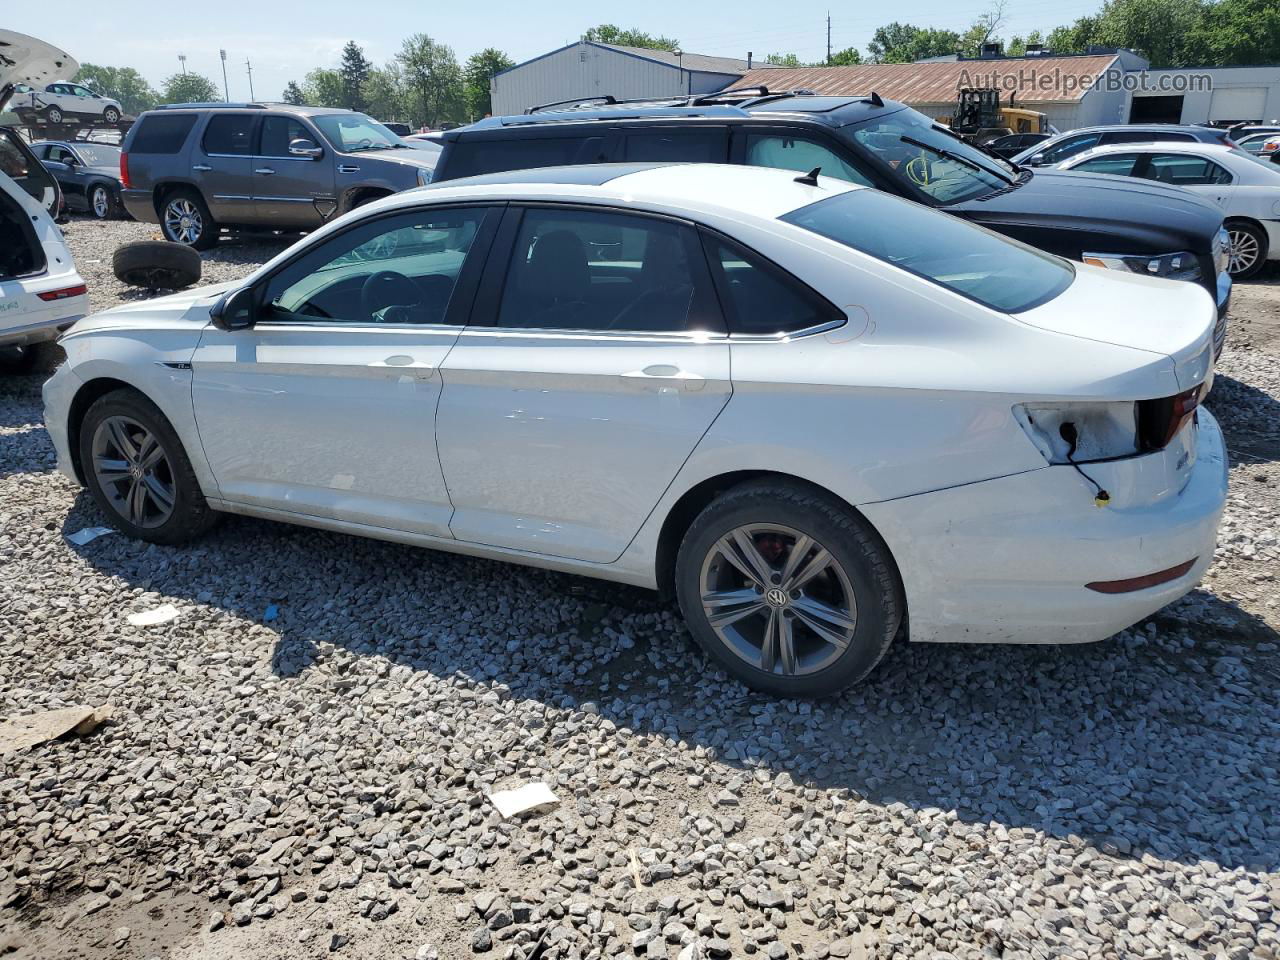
(60, 102)
(812, 411)
(41, 293)
(1246, 187)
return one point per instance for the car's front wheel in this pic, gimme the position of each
(53, 115)
(185, 219)
(788, 590)
(138, 473)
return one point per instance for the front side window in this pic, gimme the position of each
(760, 299)
(399, 269)
(60, 155)
(229, 134)
(919, 152)
(588, 270)
(356, 133)
(796, 153)
(278, 133)
(1069, 147)
(83, 92)
(983, 266)
(1116, 164)
(1185, 170)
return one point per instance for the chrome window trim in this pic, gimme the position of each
(564, 333)
(313, 326)
(290, 199)
(784, 336)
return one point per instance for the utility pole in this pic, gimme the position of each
(226, 91)
(249, 66)
(828, 38)
(182, 60)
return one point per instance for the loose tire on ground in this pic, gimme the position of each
(863, 583)
(189, 515)
(156, 264)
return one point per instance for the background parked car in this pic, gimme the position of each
(59, 102)
(89, 174)
(1245, 188)
(1015, 143)
(1059, 148)
(197, 168)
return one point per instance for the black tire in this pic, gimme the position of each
(855, 547)
(17, 360)
(207, 235)
(53, 115)
(191, 515)
(156, 264)
(1246, 236)
(109, 206)
(111, 115)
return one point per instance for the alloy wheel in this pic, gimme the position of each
(101, 202)
(133, 471)
(1242, 251)
(182, 221)
(778, 599)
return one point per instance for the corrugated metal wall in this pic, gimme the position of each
(585, 70)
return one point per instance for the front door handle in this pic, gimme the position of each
(348, 168)
(202, 167)
(265, 171)
(669, 375)
(419, 369)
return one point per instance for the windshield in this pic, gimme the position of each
(923, 154)
(983, 266)
(356, 133)
(99, 154)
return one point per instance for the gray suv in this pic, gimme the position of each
(196, 168)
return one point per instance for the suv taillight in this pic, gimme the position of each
(124, 170)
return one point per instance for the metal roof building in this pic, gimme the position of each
(590, 69)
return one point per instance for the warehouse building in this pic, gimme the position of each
(590, 69)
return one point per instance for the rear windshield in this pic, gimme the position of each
(983, 266)
(162, 133)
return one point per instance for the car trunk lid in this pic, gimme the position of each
(25, 59)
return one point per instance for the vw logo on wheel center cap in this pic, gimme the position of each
(776, 597)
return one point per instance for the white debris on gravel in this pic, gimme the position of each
(323, 777)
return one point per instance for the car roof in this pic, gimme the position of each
(679, 189)
(1161, 146)
(1144, 127)
(303, 110)
(831, 111)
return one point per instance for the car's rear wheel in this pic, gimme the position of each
(788, 590)
(53, 115)
(138, 473)
(111, 115)
(1247, 250)
(185, 219)
(101, 203)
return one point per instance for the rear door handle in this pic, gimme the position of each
(202, 167)
(265, 171)
(419, 369)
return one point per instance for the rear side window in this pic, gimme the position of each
(469, 158)
(983, 266)
(684, 146)
(229, 133)
(759, 298)
(162, 133)
(1185, 170)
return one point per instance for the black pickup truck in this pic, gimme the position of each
(1148, 228)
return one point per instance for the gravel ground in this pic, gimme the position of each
(298, 763)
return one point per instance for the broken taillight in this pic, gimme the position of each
(1160, 420)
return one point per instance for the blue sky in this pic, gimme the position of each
(285, 40)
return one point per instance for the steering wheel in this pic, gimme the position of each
(386, 289)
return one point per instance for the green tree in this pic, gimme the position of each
(905, 43)
(432, 73)
(1075, 38)
(1157, 28)
(608, 33)
(354, 71)
(189, 88)
(983, 30)
(293, 94)
(847, 57)
(1235, 33)
(477, 74)
(385, 93)
(323, 87)
(119, 83)
(783, 60)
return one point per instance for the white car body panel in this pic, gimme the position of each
(1253, 194)
(552, 451)
(24, 317)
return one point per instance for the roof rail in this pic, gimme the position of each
(759, 90)
(575, 101)
(205, 106)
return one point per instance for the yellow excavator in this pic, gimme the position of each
(979, 117)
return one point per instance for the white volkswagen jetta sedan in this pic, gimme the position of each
(813, 411)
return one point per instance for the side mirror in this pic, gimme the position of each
(305, 148)
(236, 310)
(71, 162)
(1036, 160)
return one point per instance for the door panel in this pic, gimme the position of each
(562, 444)
(222, 166)
(285, 188)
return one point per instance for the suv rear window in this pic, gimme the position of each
(993, 270)
(162, 132)
(469, 158)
